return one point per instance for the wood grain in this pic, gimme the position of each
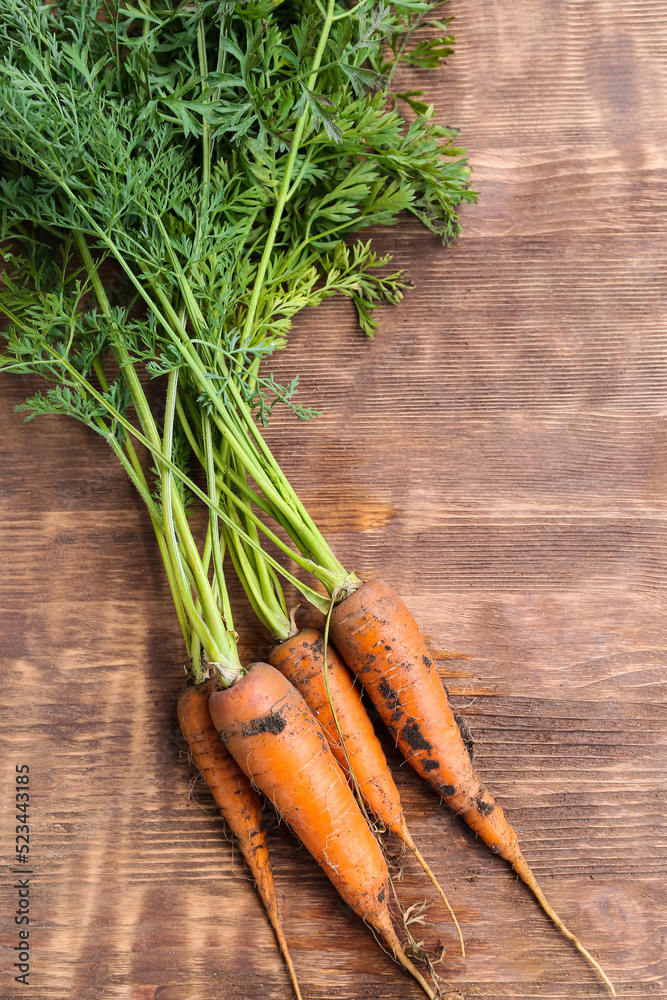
(498, 454)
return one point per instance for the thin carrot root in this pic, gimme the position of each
(410, 844)
(282, 944)
(524, 872)
(389, 934)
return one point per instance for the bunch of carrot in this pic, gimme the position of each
(220, 154)
(382, 644)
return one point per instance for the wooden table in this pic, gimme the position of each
(498, 453)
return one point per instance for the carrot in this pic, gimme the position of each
(270, 731)
(382, 643)
(301, 659)
(239, 802)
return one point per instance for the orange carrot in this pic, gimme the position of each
(239, 802)
(301, 659)
(268, 728)
(382, 643)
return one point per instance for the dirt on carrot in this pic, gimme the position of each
(268, 728)
(381, 641)
(354, 744)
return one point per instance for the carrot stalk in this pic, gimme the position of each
(352, 740)
(238, 801)
(270, 731)
(381, 641)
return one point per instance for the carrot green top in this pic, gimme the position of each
(178, 182)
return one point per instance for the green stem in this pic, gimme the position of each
(213, 493)
(134, 470)
(139, 400)
(307, 564)
(168, 494)
(205, 560)
(289, 168)
(239, 483)
(206, 136)
(176, 521)
(148, 424)
(267, 581)
(303, 524)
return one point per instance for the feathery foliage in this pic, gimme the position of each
(179, 180)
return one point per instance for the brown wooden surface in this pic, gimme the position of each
(499, 454)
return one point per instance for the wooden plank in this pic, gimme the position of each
(498, 454)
